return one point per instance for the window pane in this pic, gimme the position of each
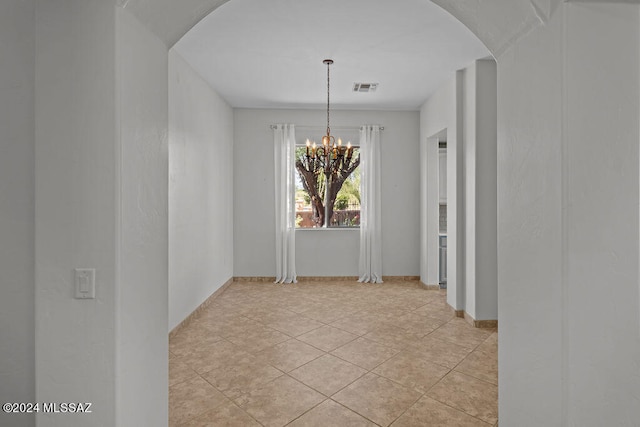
(346, 210)
(311, 184)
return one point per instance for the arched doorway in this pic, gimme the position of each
(539, 47)
(568, 203)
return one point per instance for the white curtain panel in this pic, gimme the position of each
(370, 265)
(284, 155)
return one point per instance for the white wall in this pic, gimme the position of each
(486, 190)
(468, 175)
(17, 140)
(142, 226)
(200, 190)
(568, 220)
(75, 176)
(441, 117)
(568, 268)
(600, 185)
(465, 109)
(530, 259)
(101, 202)
(480, 190)
(530, 255)
(254, 189)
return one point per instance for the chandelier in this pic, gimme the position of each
(323, 169)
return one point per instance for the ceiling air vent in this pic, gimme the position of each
(365, 87)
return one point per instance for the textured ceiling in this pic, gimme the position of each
(268, 53)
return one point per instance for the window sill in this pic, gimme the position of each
(327, 229)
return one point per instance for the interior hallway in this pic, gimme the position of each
(332, 354)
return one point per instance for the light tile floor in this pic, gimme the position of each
(332, 354)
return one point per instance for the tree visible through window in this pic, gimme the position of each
(342, 193)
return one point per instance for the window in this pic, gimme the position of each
(343, 184)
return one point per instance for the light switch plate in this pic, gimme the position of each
(85, 283)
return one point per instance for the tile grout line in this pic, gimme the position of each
(229, 399)
(355, 412)
(351, 296)
(457, 409)
(447, 404)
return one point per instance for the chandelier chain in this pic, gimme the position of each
(328, 90)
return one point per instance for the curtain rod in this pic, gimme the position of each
(323, 128)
